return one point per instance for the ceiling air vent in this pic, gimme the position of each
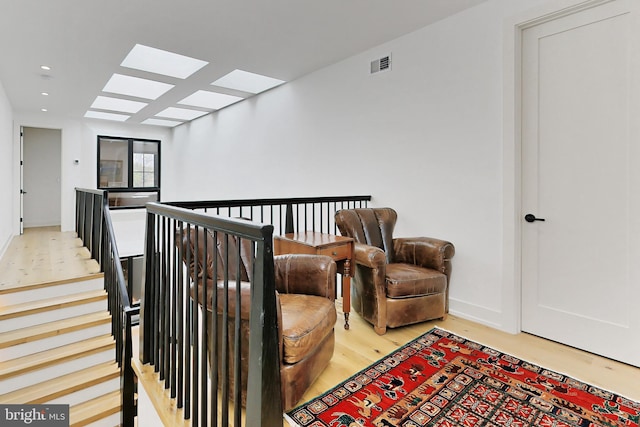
(382, 64)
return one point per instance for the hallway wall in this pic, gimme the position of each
(79, 142)
(425, 138)
(6, 177)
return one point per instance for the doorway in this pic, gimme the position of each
(41, 164)
(580, 236)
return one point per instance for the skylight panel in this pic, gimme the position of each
(181, 113)
(213, 100)
(117, 104)
(247, 82)
(161, 122)
(106, 116)
(160, 61)
(135, 86)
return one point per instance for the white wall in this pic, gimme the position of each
(6, 177)
(425, 138)
(79, 142)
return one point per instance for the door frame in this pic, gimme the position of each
(21, 172)
(21, 219)
(512, 148)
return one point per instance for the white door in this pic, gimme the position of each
(581, 174)
(41, 174)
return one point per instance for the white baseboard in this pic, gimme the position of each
(476, 313)
(5, 245)
(42, 223)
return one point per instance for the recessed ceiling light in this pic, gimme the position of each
(44, 94)
(135, 86)
(117, 104)
(159, 61)
(160, 122)
(106, 116)
(213, 100)
(45, 67)
(247, 82)
(44, 110)
(180, 113)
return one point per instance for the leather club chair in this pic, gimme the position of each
(397, 281)
(305, 286)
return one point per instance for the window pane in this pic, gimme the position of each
(113, 163)
(130, 169)
(145, 160)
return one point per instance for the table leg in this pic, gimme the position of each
(346, 292)
(346, 299)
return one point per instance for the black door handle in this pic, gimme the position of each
(532, 217)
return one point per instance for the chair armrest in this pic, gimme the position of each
(425, 252)
(305, 274)
(369, 256)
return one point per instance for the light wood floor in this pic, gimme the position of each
(44, 254)
(360, 346)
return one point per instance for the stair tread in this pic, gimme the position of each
(95, 409)
(63, 385)
(20, 287)
(58, 327)
(48, 304)
(52, 356)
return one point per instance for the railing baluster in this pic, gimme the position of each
(237, 371)
(204, 329)
(188, 327)
(164, 373)
(173, 336)
(179, 319)
(194, 330)
(213, 335)
(224, 336)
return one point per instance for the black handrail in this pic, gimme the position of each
(287, 215)
(95, 229)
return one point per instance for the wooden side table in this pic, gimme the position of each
(337, 247)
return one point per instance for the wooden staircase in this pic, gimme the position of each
(56, 347)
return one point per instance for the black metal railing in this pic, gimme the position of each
(176, 347)
(287, 215)
(198, 270)
(95, 229)
(89, 223)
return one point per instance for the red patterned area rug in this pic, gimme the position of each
(441, 379)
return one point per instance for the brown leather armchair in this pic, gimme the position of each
(305, 286)
(397, 281)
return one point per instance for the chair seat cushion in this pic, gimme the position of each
(407, 280)
(306, 321)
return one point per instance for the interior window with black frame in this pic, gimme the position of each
(129, 169)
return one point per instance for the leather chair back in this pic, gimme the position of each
(371, 226)
(226, 250)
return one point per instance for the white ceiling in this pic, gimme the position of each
(84, 41)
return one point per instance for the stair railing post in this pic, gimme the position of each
(288, 224)
(264, 398)
(147, 291)
(127, 385)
